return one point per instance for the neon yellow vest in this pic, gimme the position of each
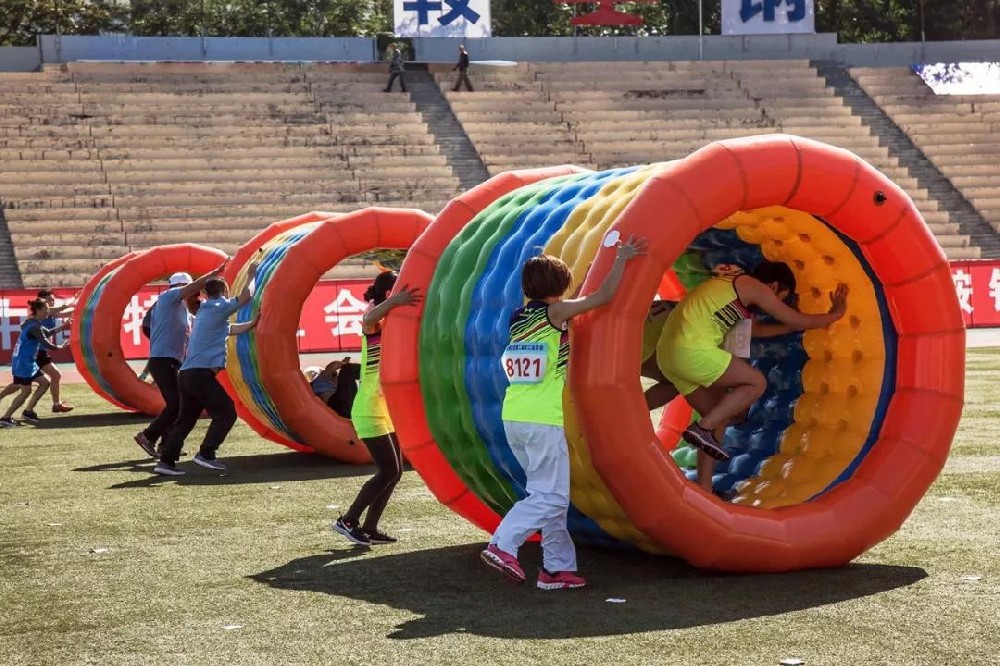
(369, 403)
(702, 319)
(535, 365)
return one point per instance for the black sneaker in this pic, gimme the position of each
(164, 469)
(8, 423)
(705, 440)
(146, 445)
(377, 538)
(351, 531)
(30, 415)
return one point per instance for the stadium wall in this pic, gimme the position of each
(54, 49)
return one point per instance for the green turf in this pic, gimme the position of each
(252, 551)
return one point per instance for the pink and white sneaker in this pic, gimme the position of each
(560, 580)
(503, 562)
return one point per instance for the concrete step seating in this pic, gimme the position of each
(956, 132)
(100, 158)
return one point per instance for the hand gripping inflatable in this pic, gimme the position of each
(858, 418)
(269, 389)
(95, 334)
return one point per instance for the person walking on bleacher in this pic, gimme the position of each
(395, 68)
(463, 70)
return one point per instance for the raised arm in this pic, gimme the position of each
(189, 290)
(563, 311)
(754, 292)
(374, 316)
(246, 294)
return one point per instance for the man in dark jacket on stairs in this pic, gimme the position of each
(463, 70)
(395, 68)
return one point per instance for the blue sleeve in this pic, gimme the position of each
(170, 296)
(232, 305)
(41, 334)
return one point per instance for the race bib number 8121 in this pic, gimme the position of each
(524, 363)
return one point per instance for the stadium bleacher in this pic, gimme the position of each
(97, 159)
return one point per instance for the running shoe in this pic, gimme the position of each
(351, 531)
(503, 562)
(377, 538)
(163, 469)
(209, 464)
(705, 440)
(145, 445)
(560, 580)
(30, 415)
(8, 423)
(62, 407)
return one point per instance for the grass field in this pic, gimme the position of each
(102, 564)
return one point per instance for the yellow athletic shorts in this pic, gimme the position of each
(688, 369)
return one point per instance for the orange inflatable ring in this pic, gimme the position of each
(868, 423)
(96, 328)
(270, 389)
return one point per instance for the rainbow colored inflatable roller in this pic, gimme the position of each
(858, 418)
(264, 375)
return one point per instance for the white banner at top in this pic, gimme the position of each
(768, 17)
(442, 18)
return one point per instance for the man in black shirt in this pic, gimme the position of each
(463, 70)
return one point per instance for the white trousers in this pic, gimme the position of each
(543, 454)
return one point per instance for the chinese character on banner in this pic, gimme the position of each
(768, 17)
(345, 313)
(963, 289)
(994, 287)
(985, 293)
(10, 324)
(133, 315)
(442, 18)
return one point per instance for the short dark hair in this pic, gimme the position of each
(383, 283)
(215, 287)
(545, 276)
(46, 293)
(775, 271)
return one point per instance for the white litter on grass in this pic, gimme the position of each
(405, 529)
(947, 499)
(274, 487)
(614, 600)
(55, 524)
(232, 627)
(972, 579)
(791, 661)
(332, 506)
(100, 551)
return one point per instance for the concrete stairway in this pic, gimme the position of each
(900, 146)
(10, 274)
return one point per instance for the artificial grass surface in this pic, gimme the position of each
(243, 569)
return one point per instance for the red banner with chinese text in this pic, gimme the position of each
(330, 319)
(331, 316)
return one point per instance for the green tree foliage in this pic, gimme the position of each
(853, 20)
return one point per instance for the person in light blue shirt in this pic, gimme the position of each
(197, 382)
(169, 329)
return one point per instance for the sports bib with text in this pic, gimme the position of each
(525, 362)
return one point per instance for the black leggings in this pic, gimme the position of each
(376, 492)
(164, 371)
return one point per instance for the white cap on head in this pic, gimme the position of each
(180, 278)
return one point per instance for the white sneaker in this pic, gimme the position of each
(210, 464)
(163, 469)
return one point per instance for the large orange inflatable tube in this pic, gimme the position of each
(96, 330)
(862, 433)
(263, 367)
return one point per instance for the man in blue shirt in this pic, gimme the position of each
(199, 388)
(170, 326)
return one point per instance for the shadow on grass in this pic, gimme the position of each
(265, 468)
(455, 593)
(90, 420)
